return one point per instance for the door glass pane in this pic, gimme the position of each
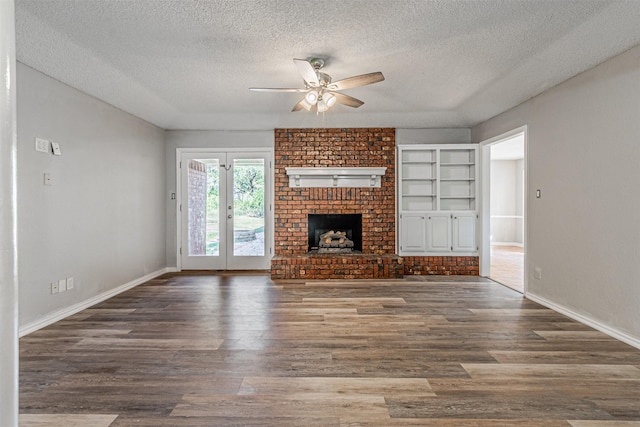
(204, 207)
(248, 207)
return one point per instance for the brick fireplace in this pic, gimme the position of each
(371, 147)
(353, 147)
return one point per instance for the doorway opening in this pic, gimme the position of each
(504, 209)
(224, 211)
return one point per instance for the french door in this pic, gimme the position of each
(224, 210)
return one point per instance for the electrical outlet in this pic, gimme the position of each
(70, 283)
(42, 145)
(62, 285)
(54, 287)
(537, 273)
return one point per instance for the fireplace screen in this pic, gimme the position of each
(335, 233)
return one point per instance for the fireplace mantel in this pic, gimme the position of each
(335, 177)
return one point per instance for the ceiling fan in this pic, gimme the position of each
(321, 92)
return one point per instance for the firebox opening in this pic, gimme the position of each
(346, 228)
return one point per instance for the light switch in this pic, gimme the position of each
(55, 148)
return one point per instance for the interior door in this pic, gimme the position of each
(224, 211)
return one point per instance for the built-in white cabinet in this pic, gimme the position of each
(464, 231)
(437, 199)
(413, 233)
(438, 232)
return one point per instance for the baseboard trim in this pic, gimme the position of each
(68, 311)
(595, 324)
(518, 244)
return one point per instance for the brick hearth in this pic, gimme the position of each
(317, 266)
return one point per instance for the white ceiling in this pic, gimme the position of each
(509, 149)
(447, 63)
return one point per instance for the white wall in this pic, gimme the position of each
(584, 155)
(506, 201)
(8, 238)
(103, 219)
(175, 139)
(433, 136)
(520, 201)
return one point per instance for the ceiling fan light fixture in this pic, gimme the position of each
(329, 99)
(311, 97)
(322, 106)
(305, 104)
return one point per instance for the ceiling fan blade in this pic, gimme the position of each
(355, 81)
(302, 105)
(298, 106)
(307, 72)
(277, 89)
(347, 100)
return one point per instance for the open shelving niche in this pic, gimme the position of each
(458, 179)
(437, 198)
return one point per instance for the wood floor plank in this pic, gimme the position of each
(582, 423)
(453, 422)
(64, 420)
(233, 421)
(385, 387)
(589, 335)
(256, 406)
(149, 343)
(568, 357)
(231, 349)
(506, 405)
(569, 372)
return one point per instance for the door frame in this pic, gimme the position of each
(485, 202)
(269, 236)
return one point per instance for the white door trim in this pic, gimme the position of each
(485, 200)
(180, 151)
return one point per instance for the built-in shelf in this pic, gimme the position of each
(437, 199)
(335, 177)
(457, 197)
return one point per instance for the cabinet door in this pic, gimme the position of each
(464, 232)
(412, 235)
(439, 232)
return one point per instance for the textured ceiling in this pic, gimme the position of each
(189, 64)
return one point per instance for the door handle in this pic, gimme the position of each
(229, 216)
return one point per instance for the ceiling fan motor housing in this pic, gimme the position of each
(316, 63)
(323, 79)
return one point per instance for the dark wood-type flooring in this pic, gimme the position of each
(240, 350)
